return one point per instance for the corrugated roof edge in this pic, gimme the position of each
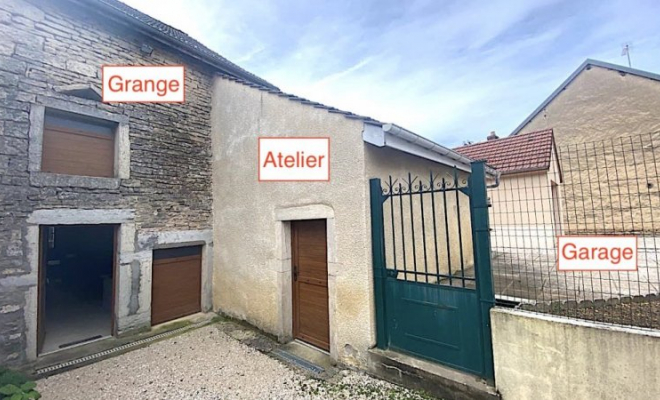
(587, 63)
(169, 35)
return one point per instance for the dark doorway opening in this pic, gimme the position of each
(76, 277)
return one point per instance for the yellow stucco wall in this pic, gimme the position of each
(527, 198)
(252, 277)
(248, 256)
(607, 128)
(601, 104)
(526, 211)
(522, 199)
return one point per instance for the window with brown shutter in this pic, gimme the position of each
(78, 145)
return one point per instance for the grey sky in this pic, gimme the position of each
(448, 70)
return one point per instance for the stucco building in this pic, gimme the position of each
(131, 215)
(255, 222)
(598, 101)
(527, 204)
(607, 126)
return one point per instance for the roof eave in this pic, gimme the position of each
(230, 68)
(588, 62)
(526, 170)
(401, 139)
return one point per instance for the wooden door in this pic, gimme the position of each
(176, 283)
(310, 283)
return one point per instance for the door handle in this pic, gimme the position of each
(295, 272)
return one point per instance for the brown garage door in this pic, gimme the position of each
(310, 283)
(176, 283)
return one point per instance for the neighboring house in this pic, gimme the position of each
(598, 101)
(118, 217)
(526, 206)
(605, 115)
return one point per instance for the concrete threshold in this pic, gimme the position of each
(87, 353)
(435, 379)
(306, 357)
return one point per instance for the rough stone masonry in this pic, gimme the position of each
(48, 44)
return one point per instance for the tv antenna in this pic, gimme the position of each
(626, 52)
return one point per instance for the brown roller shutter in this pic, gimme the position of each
(176, 283)
(78, 146)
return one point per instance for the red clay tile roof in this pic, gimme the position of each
(528, 152)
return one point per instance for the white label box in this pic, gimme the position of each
(597, 253)
(283, 159)
(143, 84)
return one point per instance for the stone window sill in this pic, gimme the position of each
(42, 179)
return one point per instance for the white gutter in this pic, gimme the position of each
(396, 137)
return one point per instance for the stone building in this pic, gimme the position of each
(152, 191)
(118, 217)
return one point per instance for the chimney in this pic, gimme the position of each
(492, 136)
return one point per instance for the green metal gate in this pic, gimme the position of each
(431, 259)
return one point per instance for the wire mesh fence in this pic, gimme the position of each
(609, 187)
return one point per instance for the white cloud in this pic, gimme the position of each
(448, 70)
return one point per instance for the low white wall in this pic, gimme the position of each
(544, 357)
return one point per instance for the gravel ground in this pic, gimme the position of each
(209, 364)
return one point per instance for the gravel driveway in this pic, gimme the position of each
(207, 363)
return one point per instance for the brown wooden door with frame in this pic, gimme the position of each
(311, 322)
(176, 289)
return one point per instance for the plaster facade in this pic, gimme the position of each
(540, 357)
(607, 128)
(527, 209)
(600, 104)
(252, 277)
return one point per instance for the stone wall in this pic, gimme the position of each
(47, 44)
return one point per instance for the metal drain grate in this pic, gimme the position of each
(293, 359)
(117, 349)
